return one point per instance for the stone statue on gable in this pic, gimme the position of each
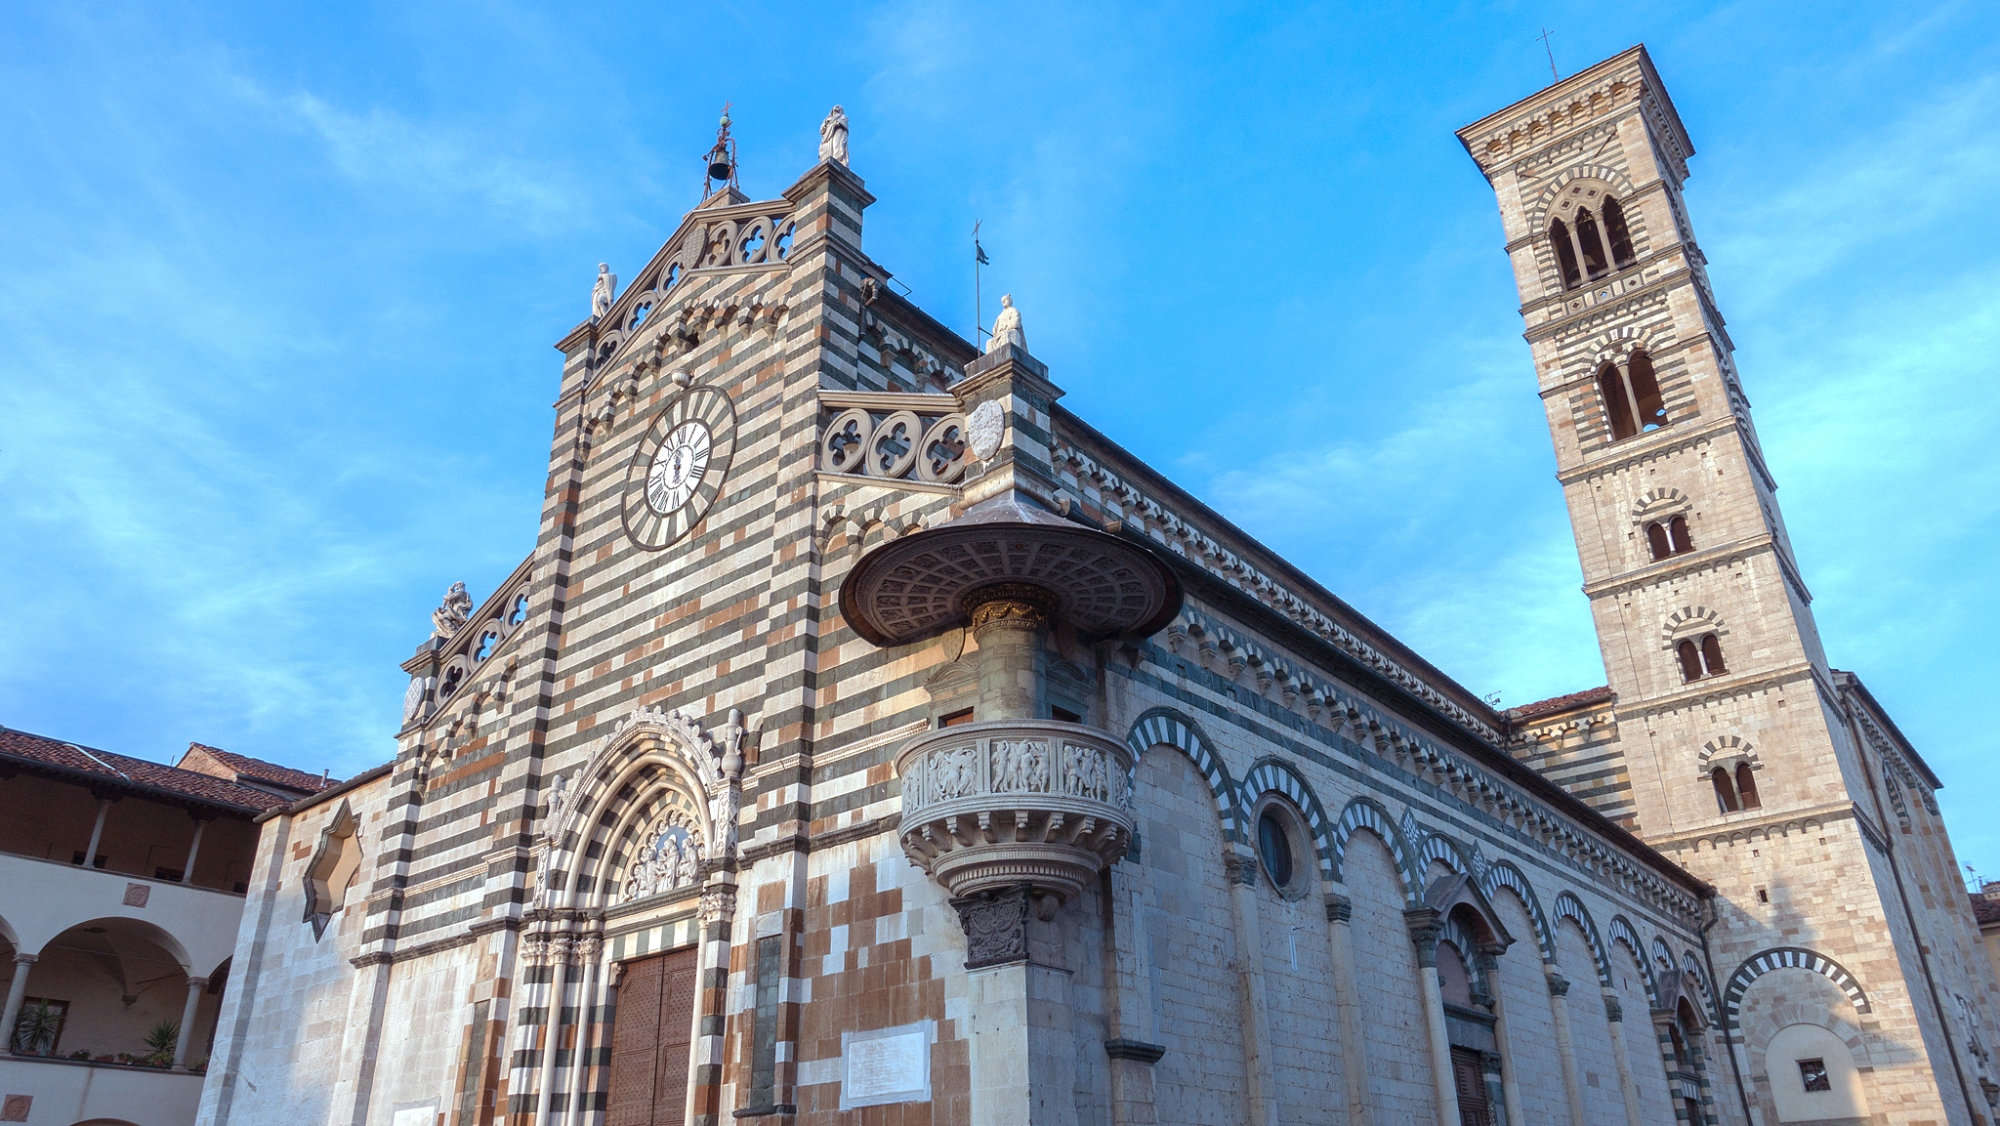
(1007, 327)
(833, 136)
(602, 293)
(453, 613)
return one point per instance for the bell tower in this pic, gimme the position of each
(1739, 757)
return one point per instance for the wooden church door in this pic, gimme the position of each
(651, 1036)
(1473, 1109)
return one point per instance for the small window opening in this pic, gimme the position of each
(1746, 786)
(1669, 537)
(1619, 234)
(1711, 655)
(1763, 896)
(1065, 715)
(1646, 392)
(963, 715)
(1725, 792)
(1700, 659)
(1690, 660)
(1617, 403)
(1677, 534)
(1632, 401)
(1565, 254)
(1656, 538)
(1274, 847)
(1594, 261)
(1814, 1075)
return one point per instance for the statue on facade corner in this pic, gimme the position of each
(1007, 327)
(833, 136)
(453, 613)
(605, 289)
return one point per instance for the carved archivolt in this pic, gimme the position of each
(659, 795)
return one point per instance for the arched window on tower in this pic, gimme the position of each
(1632, 400)
(1700, 658)
(1668, 537)
(1677, 534)
(1595, 263)
(1725, 791)
(1565, 254)
(1746, 786)
(1711, 655)
(1618, 234)
(1591, 244)
(1656, 538)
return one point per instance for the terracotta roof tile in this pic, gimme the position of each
(88, 764)
(1987, 911)
(1554, 704)
(267, 771)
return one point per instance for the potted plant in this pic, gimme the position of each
(35, 1030)
(161, 1040)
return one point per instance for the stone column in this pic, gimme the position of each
(16, 989)
(1509, 1076)
(1425, 927)
(1006, 622)
(562, 946)
(717, 913)
(96, 832)
(1614, 1013)
(1242, 870)
(194, 850)
(1565, 1044)
(1353, 1053)
(590, 950)
(194, 988)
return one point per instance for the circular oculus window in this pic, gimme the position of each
(1274, 848)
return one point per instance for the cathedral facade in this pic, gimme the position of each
(870, 739)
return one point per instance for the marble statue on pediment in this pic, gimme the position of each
(604, 291)
(1007, 327)
(833, 136)
(453, 613)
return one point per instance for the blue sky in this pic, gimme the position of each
(278, 286)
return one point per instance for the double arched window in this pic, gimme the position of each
(1735, 791)
(1632, 401)
(1589, 236)
(1700, 657)
(1669, 537)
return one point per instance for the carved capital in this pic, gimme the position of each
(1558, 985)
(1242, 869)
(995, 925)
(1613, 1011)
(1010, 605)
(718, 904)
(1339, 908)
(1425, 928)
(1121, 1049)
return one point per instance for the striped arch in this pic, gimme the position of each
(1444, 850)
(1568, 906)
(1663, 958)
(1691, 966)
(1620, 930)
(1782, 958)
(1162, 726)
(1364, 813)
(1455, 932)
(1538, 210)
(1273, 776)
(1503, 874)
(632, 777)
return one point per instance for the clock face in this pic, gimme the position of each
(678, 468)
